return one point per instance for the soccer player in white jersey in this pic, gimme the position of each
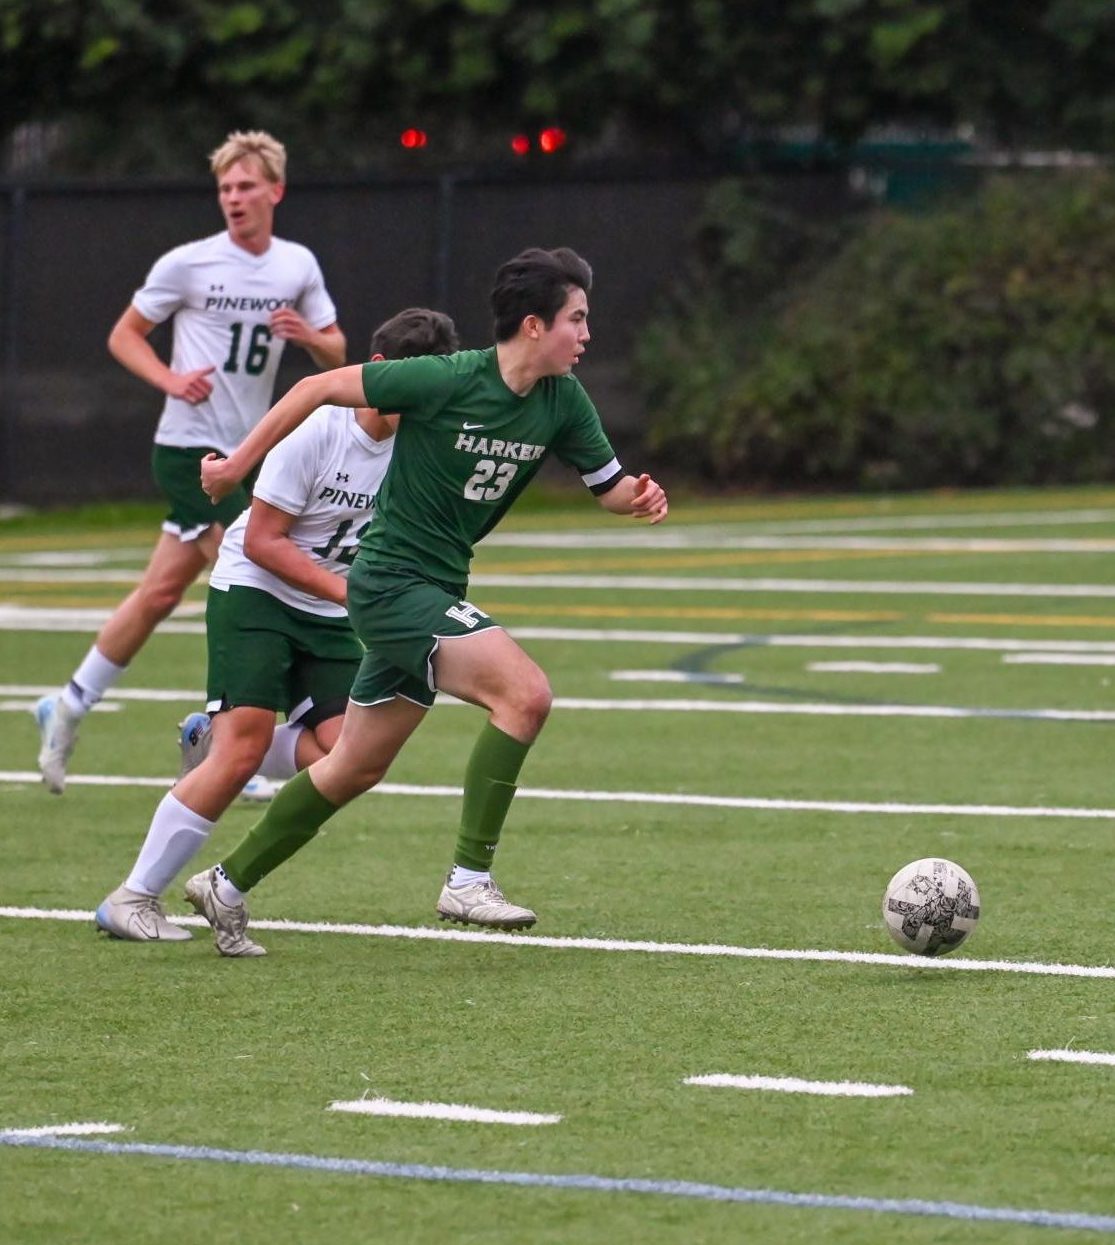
(235, 299)
(278, 632)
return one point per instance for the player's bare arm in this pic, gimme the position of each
(267, 542)
(325, 346)
(342, 386)
(637, 496)
(129, 346)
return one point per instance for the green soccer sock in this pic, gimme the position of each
(489, 789)
(292, 819)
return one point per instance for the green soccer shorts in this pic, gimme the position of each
(401, 619)
(268, 655)
(177, 472)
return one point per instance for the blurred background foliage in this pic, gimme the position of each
(127, 84)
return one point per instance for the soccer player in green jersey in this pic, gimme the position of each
(474, 429)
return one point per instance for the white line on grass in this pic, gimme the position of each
(1060, 659)
(421, 933)
(675, 676)
(874, 667)
(36, 618)
(886, 808)
(652, 797)
(794, 1085)
(28, 706)
(1072, 1056)
(63, 1130)
(441, 1111)
(681, 705)
(845, 587)
(575, 1182)
(114, 693)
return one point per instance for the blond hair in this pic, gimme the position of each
(241, 144)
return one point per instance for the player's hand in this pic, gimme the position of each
(289, 325)
(192, 387)
(217, 481)
(649, 500)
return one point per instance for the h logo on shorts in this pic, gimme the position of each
(467, 615)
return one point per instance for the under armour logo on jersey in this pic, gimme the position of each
(342, 476)
(216, 289)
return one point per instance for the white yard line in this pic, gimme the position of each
(441, 1111)
(422, 933)
(845, 587)
(645, 798)
(579, 1183)
(794, 1085)
(1060, 659)
(679, 705)
(675, 676)
(1072, 1056)
(873, 667)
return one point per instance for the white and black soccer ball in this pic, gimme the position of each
(931, 906)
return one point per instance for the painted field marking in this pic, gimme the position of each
(1072, 1056)
(676, 676)
(794, 1085)
(114, 693)
(756, 803)
(652, 797)
(38, 618)
(422, 933)
(846, 587)
(679, 705)
(28, 706)
(1060, 659)
(582, 1183)
(441, 1111)
(874, 667)
(63, 1130)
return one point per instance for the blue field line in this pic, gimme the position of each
(579, 1183)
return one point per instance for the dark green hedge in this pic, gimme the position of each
(971, 345)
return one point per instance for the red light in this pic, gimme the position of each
(551, 139)
(520, 144)
(412, 139)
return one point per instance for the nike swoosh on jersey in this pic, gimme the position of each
(471, 427)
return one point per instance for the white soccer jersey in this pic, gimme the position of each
(221, 297)
(327, 472)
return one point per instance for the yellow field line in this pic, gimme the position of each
(1026, 620)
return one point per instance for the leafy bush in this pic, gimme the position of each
(972, 345)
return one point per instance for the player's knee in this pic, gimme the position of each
(160, 598)
(531, 701)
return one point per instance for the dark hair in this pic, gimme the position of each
(536, 283)
(418, 330)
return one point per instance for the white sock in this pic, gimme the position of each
(175, 836)
(279, 762)
(227, 892)
(461, 876)
(90, 681)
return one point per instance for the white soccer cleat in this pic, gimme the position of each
(195, 734)
(482, 903)
(58, 731)
(137, 918)
(229, 921)
(260, 790)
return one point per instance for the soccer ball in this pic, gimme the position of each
(931, 906)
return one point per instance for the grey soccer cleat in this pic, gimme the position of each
(229, 921)
(137, 918)
(195, 734)
(482, 903)
(58, 731)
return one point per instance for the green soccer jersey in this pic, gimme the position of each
(466, 447)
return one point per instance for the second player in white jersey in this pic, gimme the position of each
(222, 298)
(327, 474)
